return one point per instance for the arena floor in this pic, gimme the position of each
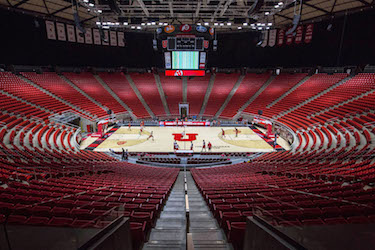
(164, 137)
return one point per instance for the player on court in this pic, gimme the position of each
(151, 136)
(222, 133)
(204, 146)
(209, 146)
(191, 146)
(236, 132)
(140, 131)
(175, 146)
(129, 127)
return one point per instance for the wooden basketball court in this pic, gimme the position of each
(164, 137)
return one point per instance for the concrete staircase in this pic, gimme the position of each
(342, 103)
(230, 95)
(24, 101)
(312, 98)
(56, 97)
(203, 231)
(186, 222)
(265, 85)
(207, 95)
(82, 92)
(170, 229)
(161, 93)
(184, 89)
(113, 94)
(140, 97)
(289, 91)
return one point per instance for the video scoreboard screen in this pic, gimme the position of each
(185, 59)
(185, 63)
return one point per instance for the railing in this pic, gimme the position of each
(294, 142)
(55, 119)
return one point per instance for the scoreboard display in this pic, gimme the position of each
(185, 59)
(185, 48)
(185, 43)
(185, 63)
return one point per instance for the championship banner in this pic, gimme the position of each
(88, 36)
(299, 34)
(280, 38)
(289, 39)
(309, 33)
(61, 35)
(70, 31)
(106, 37)
(265, 39)
(96, 37)
(80, 36)
(272, 38)
(113, 37)
(121, 39)
(50, 28)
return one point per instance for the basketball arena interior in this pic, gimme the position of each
(202, 124)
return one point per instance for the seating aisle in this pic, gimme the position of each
(203, 228)
(170, 229)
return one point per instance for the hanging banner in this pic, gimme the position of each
(272, 38)
(265, 39)
(299, 34)
(280, 38)
(50, 28)
(121, 39)
(71, 34)
(96, 37)
(113, 37)
(61, 35)
(80, 36)
(106, 37)
(88, 36)
(289, 39)
(309, 33)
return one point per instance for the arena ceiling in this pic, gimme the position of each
(225, 14)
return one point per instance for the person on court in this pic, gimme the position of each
(236, 132)
(140, 131)
(129, 127)
(191, 145)
(222, 133)
(151, 136)
(209, 146)
(175, 146)
(204, 146)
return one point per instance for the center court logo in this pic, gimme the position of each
(190, 137)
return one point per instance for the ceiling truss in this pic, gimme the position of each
(213, 12)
